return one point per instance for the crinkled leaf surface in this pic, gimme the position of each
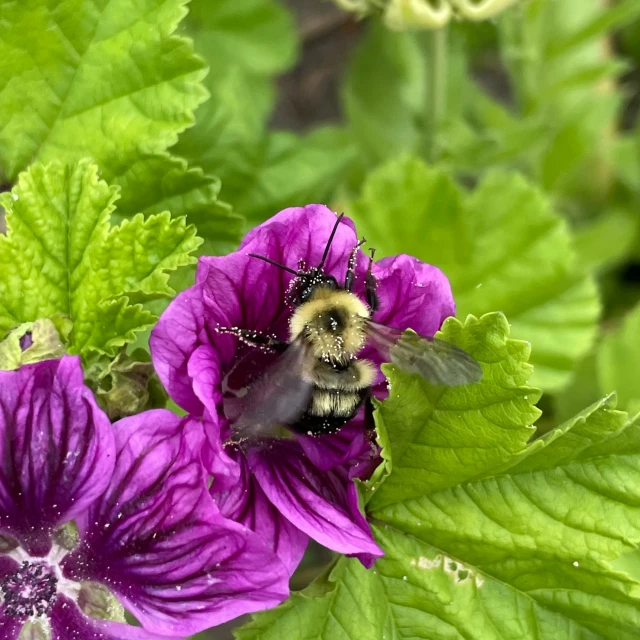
(515, 549)
(107, 78)
(62, 256)
(502, 247)
(110, 81)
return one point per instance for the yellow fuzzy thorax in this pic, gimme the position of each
(312, 321)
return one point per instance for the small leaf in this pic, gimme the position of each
(125, 385)
(30, 342)
(61, 256)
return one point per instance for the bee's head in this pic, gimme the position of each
(306, 283)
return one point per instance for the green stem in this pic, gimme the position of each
(436, 88)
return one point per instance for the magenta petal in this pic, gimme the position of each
(316, 502)
(246, 503)
(327, 452)
(224, 469)
(157, 540)
(56, 450)
(68, 622)
(174, 338)
(413, 294)
(302, 233)
(10, 627)
(204, 370)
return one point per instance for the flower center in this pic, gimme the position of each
(29, 591)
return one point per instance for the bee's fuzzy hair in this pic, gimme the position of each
(309, 320)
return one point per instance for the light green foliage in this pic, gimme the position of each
(108, 80)
(161, 182)
(518, 542)
(429, 428)
(618, 358)
(295, 170)
(246, 44)
(501, 246)
(61, 256)
(383, 93)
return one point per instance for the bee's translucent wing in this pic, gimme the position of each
(278, 397)
(437, 361)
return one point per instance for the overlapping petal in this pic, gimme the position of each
(69, 623)
(56, 450)
(246, 503)
(156, 539)
(316, 502)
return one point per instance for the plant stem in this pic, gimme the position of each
(436, 88)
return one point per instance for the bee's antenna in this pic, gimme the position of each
(333, 233)
(273, 262)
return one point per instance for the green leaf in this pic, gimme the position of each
(521, 548)
(61, 256)
(184, 192)
(429, 428)
(501, 246)
(618, 359)
(384, 92)
(245, 44)
(599, 25)
(257, 35)
(326, 610)
(608, 240)
(294, 171)
(106, 79)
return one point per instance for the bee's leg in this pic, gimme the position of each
(370, 286)
(348, 280)
(256, 339)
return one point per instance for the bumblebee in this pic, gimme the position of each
(317, 382)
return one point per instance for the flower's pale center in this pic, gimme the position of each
(29, 591)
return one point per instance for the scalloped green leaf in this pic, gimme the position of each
(107, 78)
(501, 246)
(521, 551)
(62, 256)
(438, 437)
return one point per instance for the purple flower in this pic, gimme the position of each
(146, 529)
(285, 489)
